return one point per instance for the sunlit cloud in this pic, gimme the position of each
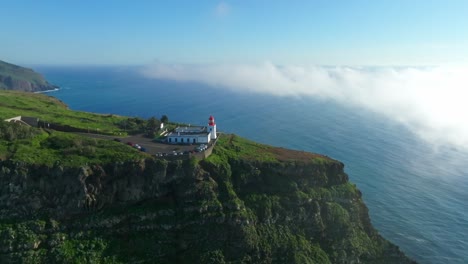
(431, 101)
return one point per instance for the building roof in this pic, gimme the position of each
(182, 134)
(191, 129)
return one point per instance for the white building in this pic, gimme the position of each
(25, 120)
(193, 134)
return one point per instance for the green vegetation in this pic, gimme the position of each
(164, 119)
(51, 110)
(36, 146)
(298, 219)
(233, 146)
(152, 126)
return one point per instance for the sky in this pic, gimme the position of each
(309, 32)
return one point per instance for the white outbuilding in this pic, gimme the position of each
(193, 134)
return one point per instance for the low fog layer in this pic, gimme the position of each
(432, 102)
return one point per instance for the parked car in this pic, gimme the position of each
(130, 143)
(117, 140)
(142, 149)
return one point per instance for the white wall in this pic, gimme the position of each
(212, 130)
(204, 139)
(200, 139)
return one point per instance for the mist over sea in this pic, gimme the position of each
(417, 194)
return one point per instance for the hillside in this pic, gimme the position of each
(51, 110)
(13, 77)
(71, 199)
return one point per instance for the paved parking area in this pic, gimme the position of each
(154, 147)
(150, 146)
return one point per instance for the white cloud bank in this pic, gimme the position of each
(432, 102)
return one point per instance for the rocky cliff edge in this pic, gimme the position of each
(246, 203)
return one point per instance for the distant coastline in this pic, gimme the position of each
(14, 77)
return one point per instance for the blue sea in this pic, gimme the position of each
(417, 194)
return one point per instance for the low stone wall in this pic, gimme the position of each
(63, 128)
(67, 128)
(205, 154)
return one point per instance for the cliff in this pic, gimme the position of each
(246, 203)
(13, 77)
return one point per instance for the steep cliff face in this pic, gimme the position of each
(13, 77)
(62, 191)
(229, 208)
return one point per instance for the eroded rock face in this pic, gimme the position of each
(154, 211)
(65, 191)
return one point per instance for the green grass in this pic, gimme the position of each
(49, 148)
(50, 109)
(233, 146)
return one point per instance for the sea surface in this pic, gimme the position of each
(417, 194)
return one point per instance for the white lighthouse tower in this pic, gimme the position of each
(212, 127)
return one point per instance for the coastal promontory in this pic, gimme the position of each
(14, 77)
(74, 198)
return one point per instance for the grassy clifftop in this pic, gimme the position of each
(52, 110)
(39, 146)
(233, 146)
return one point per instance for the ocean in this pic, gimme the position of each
(416, 194)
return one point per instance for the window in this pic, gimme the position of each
(170, 140)
(175, 140)
(182, 140)
(193, 140)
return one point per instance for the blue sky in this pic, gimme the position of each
(385, 32)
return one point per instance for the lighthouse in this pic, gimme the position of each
(212, 127)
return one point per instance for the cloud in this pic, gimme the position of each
(222, 9)
(432, 102)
